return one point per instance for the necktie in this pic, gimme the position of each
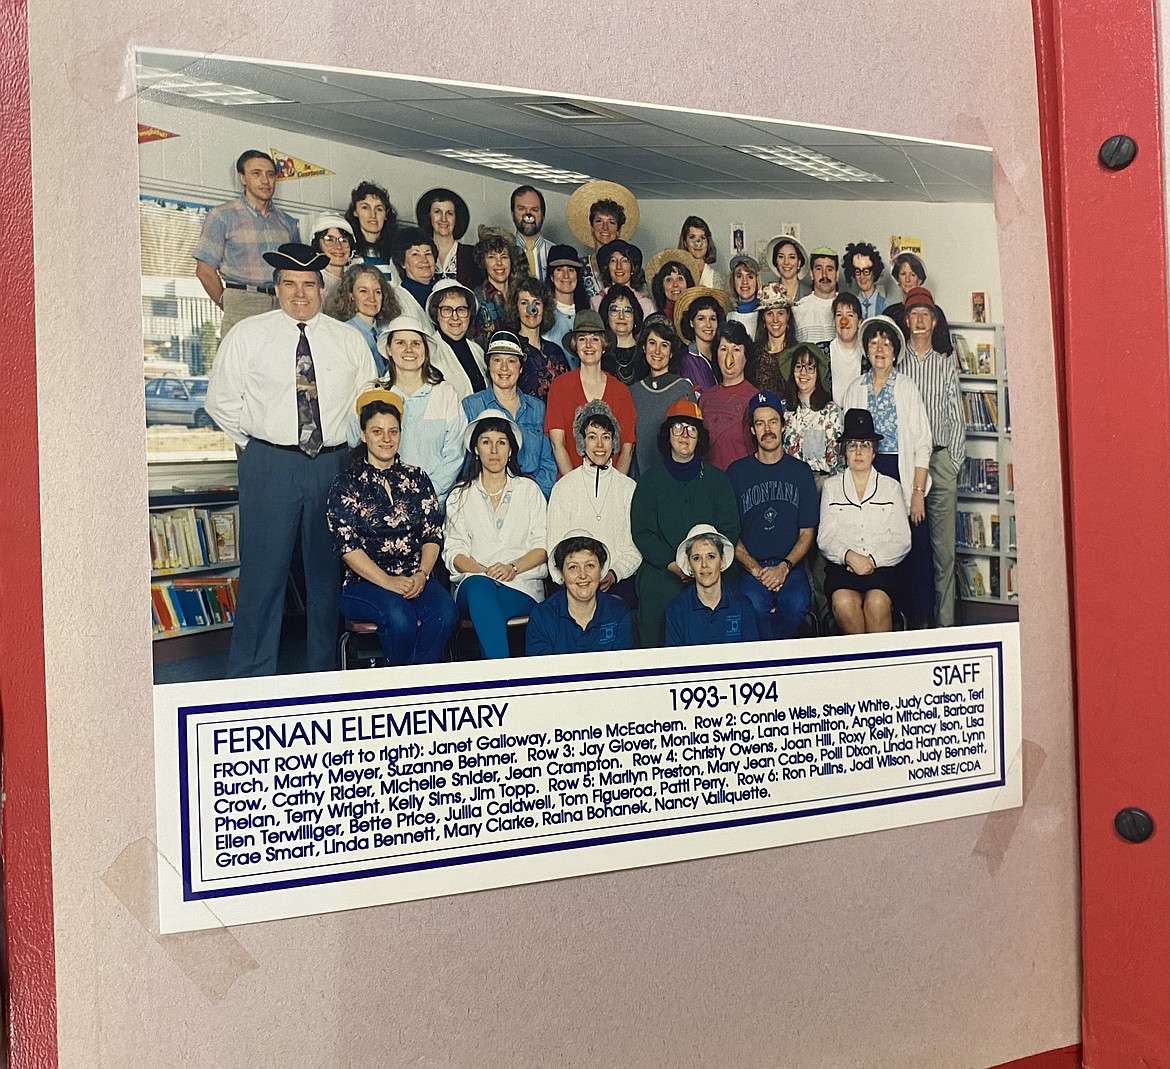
(308, 410)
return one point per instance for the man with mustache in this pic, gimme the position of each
(528, 215)
(814, 313)
(779, 506)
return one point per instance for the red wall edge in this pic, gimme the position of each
(25, 827)
(1065, 1058)
(1097, 73)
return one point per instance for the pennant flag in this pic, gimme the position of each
(290, 167)
(152, 133)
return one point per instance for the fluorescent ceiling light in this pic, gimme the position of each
(574, 112)
(517, 165)
(806, 161)
(164, 81)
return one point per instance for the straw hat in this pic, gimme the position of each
(688, 297)
(584, 197)
(676, 256)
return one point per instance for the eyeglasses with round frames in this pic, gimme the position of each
(329, 239)
(684, 430)
(859, 447)
(447, 311)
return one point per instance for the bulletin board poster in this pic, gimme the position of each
(308, 794)
(299, 794)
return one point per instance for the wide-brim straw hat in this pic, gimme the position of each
(674, 256)
(688, 297)
(584, 197)
(770, 256)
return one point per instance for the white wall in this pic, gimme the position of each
(959, 245)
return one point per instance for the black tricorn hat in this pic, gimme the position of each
(859, 427)
(293, 256)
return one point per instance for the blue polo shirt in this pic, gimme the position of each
(690, 623)
(552, 630)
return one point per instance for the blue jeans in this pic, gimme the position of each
(411, 631)
(778, 613)
(490, 605)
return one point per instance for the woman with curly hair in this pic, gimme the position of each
(365, 301)
(498, 258)
(528, 313)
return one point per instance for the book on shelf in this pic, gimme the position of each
(181, 604)
(979, 308)
(964, 358)
(980, 410)
(1012, 532)
(223, 524)
(192, 538)
(980, 475)
(970, 531)
(995, 530)
(970, 577)
(993, 581)
(985, 358)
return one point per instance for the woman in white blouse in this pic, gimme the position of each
(494, 538)
(863, 534)
(433, 416)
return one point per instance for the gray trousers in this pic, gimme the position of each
(282, 495)
(941, 504)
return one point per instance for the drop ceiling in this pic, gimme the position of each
(658, 153)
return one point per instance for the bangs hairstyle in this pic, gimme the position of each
(533, 286)
(518, 264)
(693, 222)
(699, 304)
(658, 290)
(884, 330)
(637, 273)
(849, 299)
(409, 237)
(578, 544)
(735, 333)
(862, 248)
(342, 304)
(611, 295)
(605, 206)
(664, 329)
(704, 439)
(820, 396)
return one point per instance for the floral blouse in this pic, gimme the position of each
(389, 513)
(812, 434)
(884, 411)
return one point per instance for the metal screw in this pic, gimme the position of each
(1133, 824)
(1117, 152)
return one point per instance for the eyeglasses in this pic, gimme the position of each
(616, 311)
(863, 270)
(804, 367)
(684, 430)
(446, 311)
(859, 447)
(329, 239)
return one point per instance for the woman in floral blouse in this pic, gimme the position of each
(387, 526)
(812, 422)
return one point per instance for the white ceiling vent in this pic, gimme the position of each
(573, 112)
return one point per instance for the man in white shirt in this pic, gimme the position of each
(283, 387)
(845, 356)
(814, 313)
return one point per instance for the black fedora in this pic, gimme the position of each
(859, 427)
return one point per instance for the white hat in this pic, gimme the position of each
(326, 220)
(442, 287)
(491, 413)
(703, 530)
(555, 572)
(405, 322)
